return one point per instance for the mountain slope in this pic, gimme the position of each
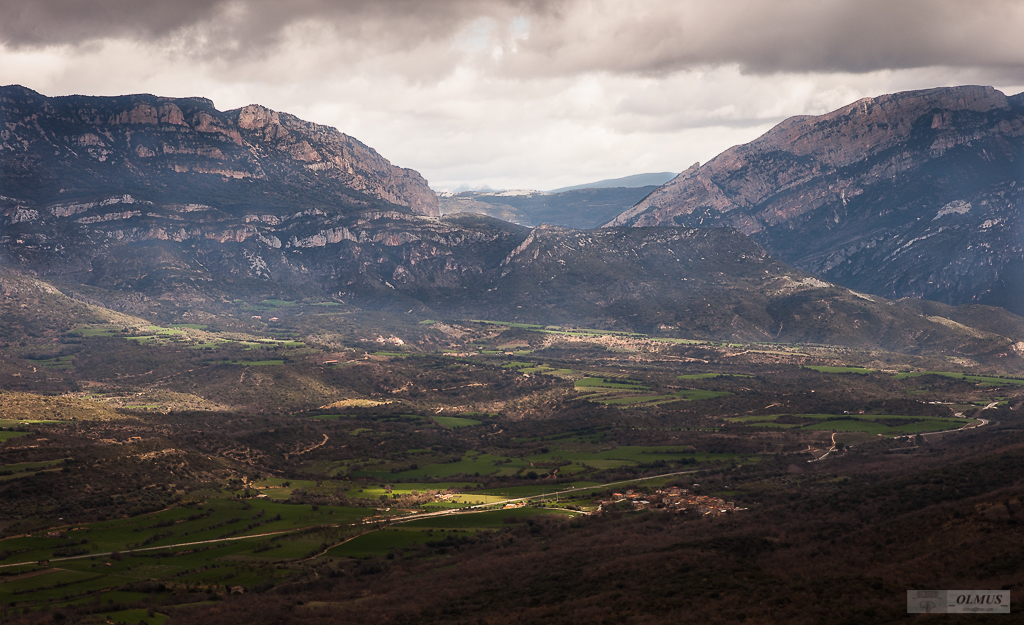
(78, 149)
(636, 180)
(707, 283)
(163, 261)
(580, 208)
(914, 194)
(144, 238)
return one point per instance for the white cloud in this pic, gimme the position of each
(521, 94)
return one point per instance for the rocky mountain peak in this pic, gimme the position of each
(184, 150)
(255, 117)
(909, 194)
(872, 125)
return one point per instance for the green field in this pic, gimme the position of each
(6, 435)
(611, 458)
(405, 488)
(177, 334)
(753, 419)
(825, 369)
(26, 469)
(610, 391)
(137, 615)
(545, 370)
(515, 492)
(219, 525)
(489, 519)
(58, 577)
(409, 534)
(10, 423)
(456, 422)
(213, 520)
(23, 474)
(630, 400)
(610, 383)
(381, 542)
(472, 463)
(28, 466)
(987, 380)
(101, 331)
(684, 395)
(881, 428)
(57, 363)
(575, 460)
(215, 542)
(871, 424)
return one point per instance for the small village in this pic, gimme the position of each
(672, 499)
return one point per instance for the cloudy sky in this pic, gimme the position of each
(519, 93)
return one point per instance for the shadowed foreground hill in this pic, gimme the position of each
(807, 554)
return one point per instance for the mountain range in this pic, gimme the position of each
(581, 206)
(251, 372)
(59, 155)
(634, 181)
(155, 206)
(914, 194)
(576, 208)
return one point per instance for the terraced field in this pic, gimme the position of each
(623, 392)
(985, 380)
(886, 425)
(828, 369)
(456, 422)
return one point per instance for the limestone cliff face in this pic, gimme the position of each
(59, 150)
(910, 194)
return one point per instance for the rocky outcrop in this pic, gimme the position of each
(914, 194)
(183, 150)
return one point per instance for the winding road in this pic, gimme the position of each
(474, 509)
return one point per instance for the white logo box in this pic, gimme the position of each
(958, 601)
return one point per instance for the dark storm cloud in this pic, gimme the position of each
(780, 35)
(44, 22)
(570, 36)
(245, 23)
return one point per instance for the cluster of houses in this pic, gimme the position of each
(673, 499)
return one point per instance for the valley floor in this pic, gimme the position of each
(332, 467)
